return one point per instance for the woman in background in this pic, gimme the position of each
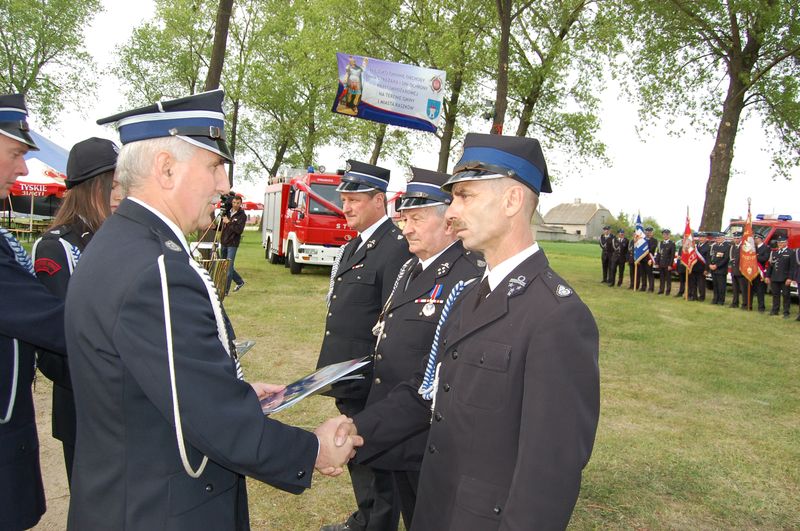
(88, 202)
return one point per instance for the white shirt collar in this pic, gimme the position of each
(171, 224)
(504, 268)
(429, 261)
(367, 233)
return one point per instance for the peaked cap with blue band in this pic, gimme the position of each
(197, 119)
(490, 156)
(425, 189)
(363, 177)
(14, 119)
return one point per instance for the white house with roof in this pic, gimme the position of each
(584, 220)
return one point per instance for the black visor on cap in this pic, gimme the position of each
(351, 186)
(19, 131)
(418, 202)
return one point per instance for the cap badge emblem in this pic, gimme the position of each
(563, 291)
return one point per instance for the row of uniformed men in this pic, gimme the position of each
(167, 427)
(717, 256)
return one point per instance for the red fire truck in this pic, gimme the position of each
(303, 222)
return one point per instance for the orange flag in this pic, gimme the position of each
(748, 264)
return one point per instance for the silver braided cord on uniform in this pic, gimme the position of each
(222, 332)
(377, 330)
(20, 254)
(427, 389)
(334, 270)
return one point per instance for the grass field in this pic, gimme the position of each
(700, 415)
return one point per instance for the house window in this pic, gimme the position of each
(578, 232)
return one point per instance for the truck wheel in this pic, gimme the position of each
(294, 267)
(272, 257)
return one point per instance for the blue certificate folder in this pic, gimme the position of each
(313, 383)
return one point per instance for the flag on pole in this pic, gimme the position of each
(640, 247)
(688, 251)
(748, 264)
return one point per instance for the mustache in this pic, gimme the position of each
(457, 224)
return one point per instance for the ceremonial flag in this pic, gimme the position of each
(640, 247)
(748, 264)
(688, 251)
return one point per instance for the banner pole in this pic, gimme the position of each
(686, 286)
(749, 296)
(635, 276)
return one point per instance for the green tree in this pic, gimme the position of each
(42, 53)
(167, 57)
(559, 51)
(719, 62)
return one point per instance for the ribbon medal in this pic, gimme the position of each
(431, 301)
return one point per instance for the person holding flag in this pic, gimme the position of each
(747, 264)
(688, 257)
(641, 251)
(737, 280)
(763, 253)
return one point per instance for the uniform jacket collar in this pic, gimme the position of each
(421, 286)
(367, 246)
(141, 215)
(496, 305)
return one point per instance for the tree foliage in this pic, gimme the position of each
(42, 53)
(719, 62)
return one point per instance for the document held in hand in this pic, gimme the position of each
(311, 384)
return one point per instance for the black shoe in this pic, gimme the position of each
(773, 313)
(744, 308)
(238, 286)
(786, 316)
(679, 295)
(661, 293)
(336, 527)
(734, 305)
(761, 310)
(798, 318)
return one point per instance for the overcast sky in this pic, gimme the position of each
(657, 175)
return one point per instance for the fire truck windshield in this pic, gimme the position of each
(328, 191)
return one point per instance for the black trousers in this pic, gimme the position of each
(647, 279)
(759, 292)
(605, 258)
(780, 290)
(718, 282)
(664, 280)
(617, 269)
(631, 271)
(736, 286)
(406, 482)
(376, 498)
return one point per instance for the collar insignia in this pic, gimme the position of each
(172, 246)
(516, 285)
(370, 244)
(444, 268)
(55, 231)
(563, 291)
(399, 236)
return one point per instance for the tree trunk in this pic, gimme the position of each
(378, 145)
(220, 41)
(531, 100)
(501, 101)
(232, 137)
(279, 153)
(722, 154)
(450, 115)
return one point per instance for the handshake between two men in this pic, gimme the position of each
(338, 436)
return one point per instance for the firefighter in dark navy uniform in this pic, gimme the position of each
(763, 253)
(664, 260)
(90, 178)
(30, 317)
(409, 318)
(718, 258)
(167, 427)
(700, 268)
(778, 276)
(631, 263)
(619, 253)
(738, 281)
(362, 280)
(646, 276)
(511, 387)
(605, 254)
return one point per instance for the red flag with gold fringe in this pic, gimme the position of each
(748, 264)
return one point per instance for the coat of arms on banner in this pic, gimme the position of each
(434, 107)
